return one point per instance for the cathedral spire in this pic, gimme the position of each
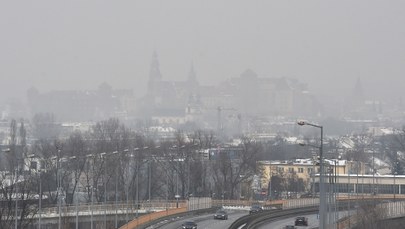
(191, 74)
(154, 71)
(192, 78)
(358, 93)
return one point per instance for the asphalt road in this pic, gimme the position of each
(208, 221)
(280, 224)
(313, 222)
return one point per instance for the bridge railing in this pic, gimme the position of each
(112, 207)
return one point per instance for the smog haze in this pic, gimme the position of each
(68, 45)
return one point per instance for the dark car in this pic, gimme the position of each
(301, 221)
(189, 225)
(289, 227)
(255, 209)
(221, 214)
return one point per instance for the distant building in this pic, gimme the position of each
(308, 169)
(167, 102)
(85, 105)
(180, 102)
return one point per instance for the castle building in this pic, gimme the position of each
(179, 102)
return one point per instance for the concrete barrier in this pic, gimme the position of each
(152, 216)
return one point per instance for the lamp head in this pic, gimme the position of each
(301, 123)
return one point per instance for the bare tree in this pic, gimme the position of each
(395, 150)
(229, 172)
(362, 143)
(16, 184)
(371, 216)
(76, 149)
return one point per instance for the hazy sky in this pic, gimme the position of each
(79, 44)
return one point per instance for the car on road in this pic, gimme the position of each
(255, 209)
(289, 227)
(221, 214)
(301, 221)
(189, 225)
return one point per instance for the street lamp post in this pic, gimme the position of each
(313, 175)
(349, 190)
(131, 155)
(240, 186)
(374, 189)
(322, 197)
(137, 185)
(77, 210)
(116, 192)
(104, 157)
(92, 204)
(39, 170)
(331, 194)
(137, 181)
(91, 189)
(62, 198)
(357, 184)
(40, 200)
(395, 188)
(16, 188)
(336, 191)
(16, 197)
(58, 177)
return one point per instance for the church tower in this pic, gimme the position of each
(354, 103)
(358, 94)
(357, 98)
(192, 78)
(192, 81)
(154, 73)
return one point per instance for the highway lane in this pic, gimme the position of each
(208, 221)
(280, 224)
(313, 222)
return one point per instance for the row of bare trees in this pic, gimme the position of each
(112, 162)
